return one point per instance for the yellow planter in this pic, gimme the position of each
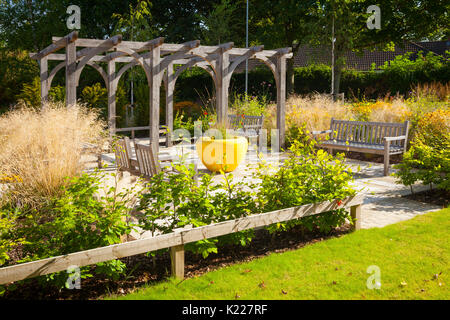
(225, 155)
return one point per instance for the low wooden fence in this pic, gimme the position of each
(175, 241)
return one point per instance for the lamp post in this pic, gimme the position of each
(246, 45)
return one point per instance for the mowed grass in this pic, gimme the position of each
(413, 257)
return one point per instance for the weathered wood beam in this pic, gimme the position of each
(134, 45)
(181, 53)
(174, 239)
(43, 65)
(112, 88)
(112, 42)
(170, 88)
(61, 43)
(71, 68)
(281, 99)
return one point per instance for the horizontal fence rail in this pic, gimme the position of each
(175, 240)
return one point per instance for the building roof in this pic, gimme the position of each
(363, 61)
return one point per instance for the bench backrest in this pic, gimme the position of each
(246, 122)
(368, 132)
(122, 151)
(147, 160)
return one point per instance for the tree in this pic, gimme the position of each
(180, 21)
(219, 23)
(282, 23)
(400, 21)
(30, 24)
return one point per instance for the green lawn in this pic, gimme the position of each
(413, 257)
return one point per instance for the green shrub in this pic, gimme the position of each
(248, 105)
(308, 176)
(96, 96)
(82, 218)
(31, 93)
(16, 69)
(175, 200)
(428, 159)
(171, 201)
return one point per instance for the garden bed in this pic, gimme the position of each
(436, 196)
(141, 269)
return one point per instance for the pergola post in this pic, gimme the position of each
(154, 86)
(44, 81)
(71, 68)
(222, 87)
(112, 88)
(170, 88)
(281, 99)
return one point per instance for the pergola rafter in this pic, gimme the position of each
(158, 59)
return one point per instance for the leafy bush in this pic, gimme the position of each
(16, 69)
(171, 201)
(428, 159)
(246, 105)
(31, 93)
(398, 76)
(309, 175)
(96, 97)
(83, 217)
(175, 200)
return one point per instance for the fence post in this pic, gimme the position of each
(177, 259)
(355, 212)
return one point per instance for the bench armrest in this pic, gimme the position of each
(395, 138)
(314, 133)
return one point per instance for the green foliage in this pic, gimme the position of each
(96, 96)
(7, 243)
(428, 159)
(220, 22)
(175, 200)
(250, 106)
(134, 25)
(84, 217)
(171, 201)
(16, 68)
(31, 93)
(406, 70)
(307, 176)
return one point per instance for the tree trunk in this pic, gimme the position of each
(290, 79)
(338, 66)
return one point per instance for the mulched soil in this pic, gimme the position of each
(437, 197)
(142, 270)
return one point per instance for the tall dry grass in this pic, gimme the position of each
(314, 111)
(441, 91)
(39, 149)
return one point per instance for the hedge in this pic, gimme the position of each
(396, 76)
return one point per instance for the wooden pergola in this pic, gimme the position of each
(162, 63)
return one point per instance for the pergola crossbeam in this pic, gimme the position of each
(158, 60)
(58, 45)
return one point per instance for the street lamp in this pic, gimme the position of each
(246, 60)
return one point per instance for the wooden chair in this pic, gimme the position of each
(148, 162)
(124, 162)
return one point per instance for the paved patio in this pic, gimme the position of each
(383, 204)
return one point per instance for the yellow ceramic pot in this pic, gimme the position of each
(223, 154)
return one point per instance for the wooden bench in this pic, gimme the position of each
(247, 126)
(370, 137)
